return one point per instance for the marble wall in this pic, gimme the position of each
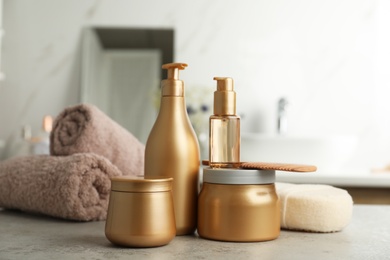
(330, 59)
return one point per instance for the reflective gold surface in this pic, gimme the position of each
(139, 184)
(172, 86)
(172, 150)
(224, 97)
(239, 213)
(224, 127)
(141, 219)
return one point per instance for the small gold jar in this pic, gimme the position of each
(238, 205)
(140, 212)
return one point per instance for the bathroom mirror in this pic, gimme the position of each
(121, 73)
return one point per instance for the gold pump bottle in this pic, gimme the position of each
(172, 150)
(224, 127)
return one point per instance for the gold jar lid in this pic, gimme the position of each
(139, 184)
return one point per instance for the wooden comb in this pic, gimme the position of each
(287, 167)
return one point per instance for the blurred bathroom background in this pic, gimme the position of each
(329, 59)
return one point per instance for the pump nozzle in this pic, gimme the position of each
(224, 97)
(173, 69)
(173, 86)
(224, 84)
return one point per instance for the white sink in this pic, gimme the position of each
(329, 154)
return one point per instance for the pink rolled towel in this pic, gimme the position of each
(84, 128)
(75, 187)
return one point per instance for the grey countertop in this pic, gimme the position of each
(27, 236)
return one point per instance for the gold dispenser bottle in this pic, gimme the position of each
(224, 127)
(172, 150)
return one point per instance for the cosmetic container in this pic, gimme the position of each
(224, 127)
(140, 212)
(238, 205)
(172, 150)
(41, 143)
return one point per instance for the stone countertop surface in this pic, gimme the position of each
(28, 236)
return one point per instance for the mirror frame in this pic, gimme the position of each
(138, 38)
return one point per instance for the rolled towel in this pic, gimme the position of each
(75, 187)
(314, 208)
(84, 128)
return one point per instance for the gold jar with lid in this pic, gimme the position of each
(140, 212)
(238, 205)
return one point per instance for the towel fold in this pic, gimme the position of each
(84, 128)
(314, 207)
(75, 187)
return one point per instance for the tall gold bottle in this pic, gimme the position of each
(224, 150)
(172, 150)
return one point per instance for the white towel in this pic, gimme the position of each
(314, 207)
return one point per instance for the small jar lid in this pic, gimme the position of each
(139, 184)
(238, 176)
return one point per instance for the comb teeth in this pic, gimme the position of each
(279, 166)
(287, 167)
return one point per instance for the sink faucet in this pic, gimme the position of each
(282, 116)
